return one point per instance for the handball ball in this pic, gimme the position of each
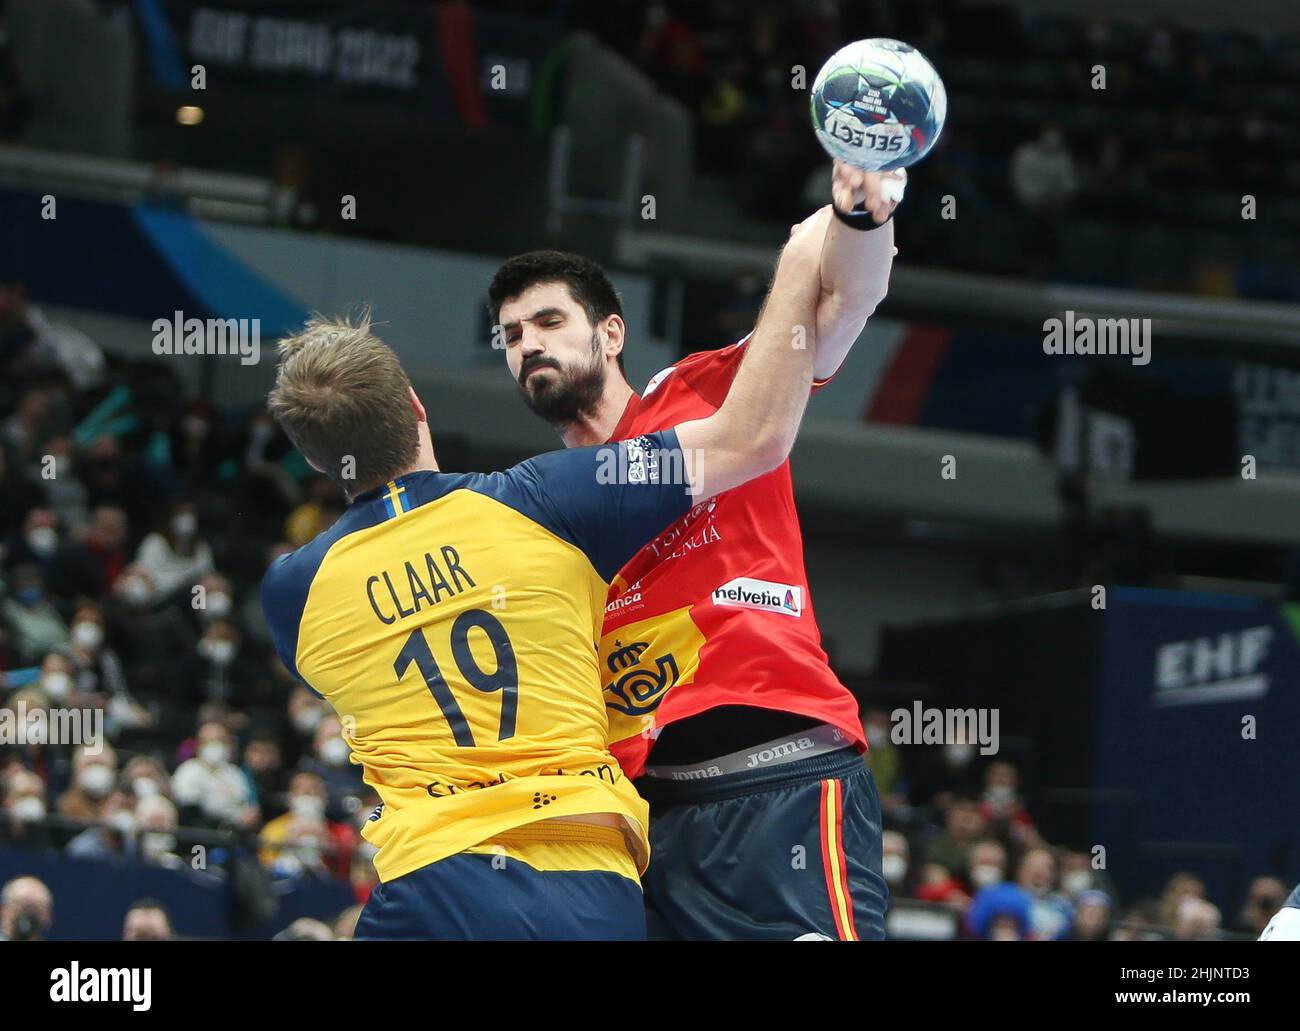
(878, 104)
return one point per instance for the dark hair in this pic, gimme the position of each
(585, 279)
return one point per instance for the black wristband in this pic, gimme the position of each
(859, 217)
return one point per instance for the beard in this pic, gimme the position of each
(570, 394)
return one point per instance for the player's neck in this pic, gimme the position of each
(598, 426)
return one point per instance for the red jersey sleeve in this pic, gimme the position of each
(710, 373)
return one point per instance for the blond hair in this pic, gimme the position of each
(343, 398)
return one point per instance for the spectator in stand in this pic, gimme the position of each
(1000, 913)
(145, 777)
(57, 682)
(22, 817)
(35, 626)
(1078, 875)
(101, 556)
(99, 672)
(147, 921)
(217, 671)
(26, 910)
(937, 884)
(303, 841)
(38, 543)
(215, 601)
(114, 838)
(330, 761)
(264, 766)
(1196, 920)
(195, 450)
(1001, 807)
(209, 788)
(1044, 181)
(965, 825)
(156, 822)
(1043, 174)
(1092, 917)
(1264, 898)
(94, 774)
(1050, 915)
(306, 711)
(893, 862)
(1180, 886)
(175, 557)
(988, 864)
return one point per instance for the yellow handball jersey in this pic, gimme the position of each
(452, 622)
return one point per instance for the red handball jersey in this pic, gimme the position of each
(716, 610)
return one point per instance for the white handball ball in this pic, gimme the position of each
(878, 104)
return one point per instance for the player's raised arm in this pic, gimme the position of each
(856, 259)
(754, 430)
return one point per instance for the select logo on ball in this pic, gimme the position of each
(878, 105)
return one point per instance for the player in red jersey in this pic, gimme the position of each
(765, 822)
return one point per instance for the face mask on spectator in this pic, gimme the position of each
(157, 843)
(214, 753)
(219, 605)
(958, 754)
(307, 806)
(29, 924)
(305, 721)
(184, 524)
(122, 821)
(56, 684)
(217, 650)
(96, 780)
(1000, 794)
(29, 809)
(145, 787)
(875, 736)
(334, 751)
(30, 596)
(43, 540)
(985, 874)
(894, 867)
(87, 635)
(135, 590)
(1076, 882)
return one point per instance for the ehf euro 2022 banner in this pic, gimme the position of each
(1198, 724)
(449, 62)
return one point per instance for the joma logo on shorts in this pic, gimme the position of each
(780, 751)
(698, 774)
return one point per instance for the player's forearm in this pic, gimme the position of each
(754, 430)
(855, 268)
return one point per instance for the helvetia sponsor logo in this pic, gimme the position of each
(747, 593)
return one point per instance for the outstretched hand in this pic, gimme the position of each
(880, 192)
